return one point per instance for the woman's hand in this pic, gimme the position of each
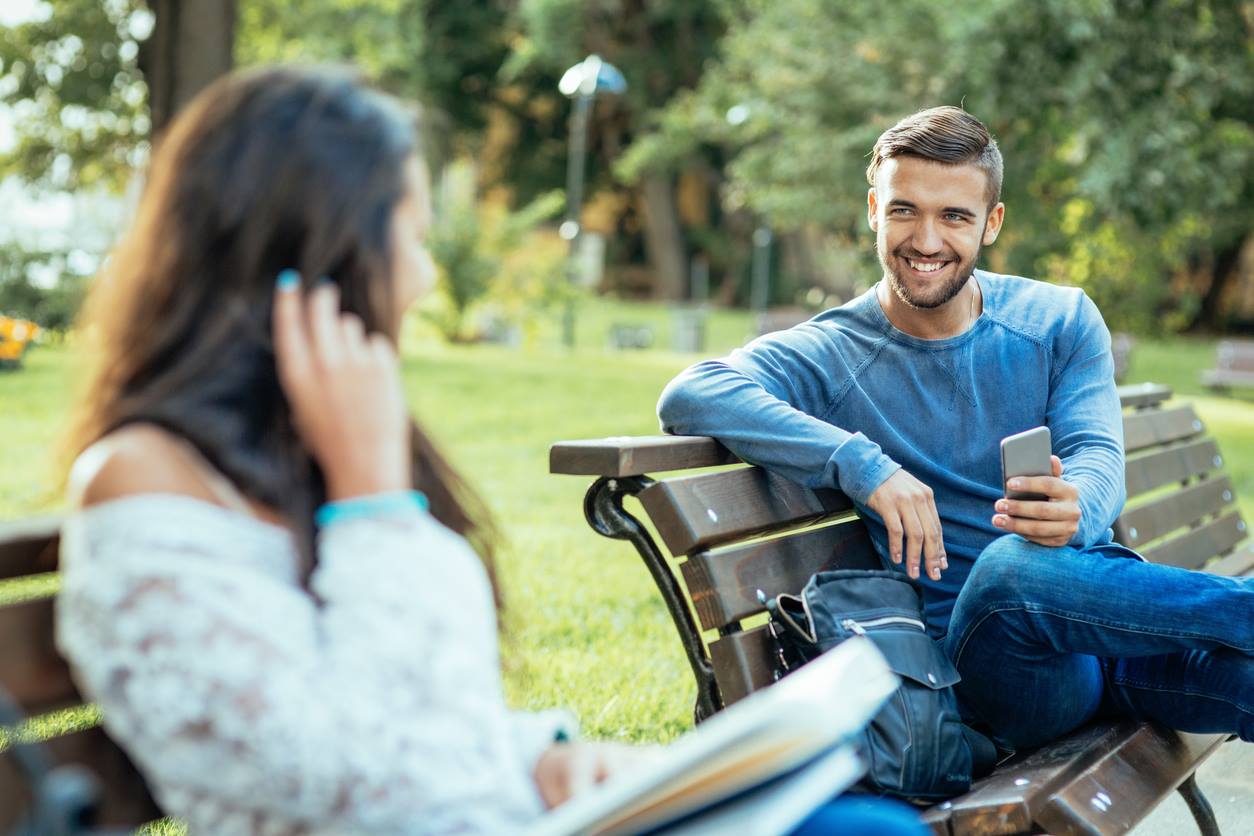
(344, 389)
(567, 769)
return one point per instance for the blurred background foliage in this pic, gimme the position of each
(1127, 127)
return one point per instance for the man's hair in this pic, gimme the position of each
(946, 135)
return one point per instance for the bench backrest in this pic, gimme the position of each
(733, 532)
(35, 675)
(1235, 356)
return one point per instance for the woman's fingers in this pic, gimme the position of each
(353, 336)
(291, 345)
(324, 324)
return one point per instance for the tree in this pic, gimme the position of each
(661, 47)
(91, 81)
(1127, 128)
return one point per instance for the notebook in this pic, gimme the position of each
(777, 754)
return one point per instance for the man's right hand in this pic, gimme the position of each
(909, 513)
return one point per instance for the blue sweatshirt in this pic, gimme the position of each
(844, 400)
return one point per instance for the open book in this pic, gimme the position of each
(781, 751)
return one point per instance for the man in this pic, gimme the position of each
(900, 399)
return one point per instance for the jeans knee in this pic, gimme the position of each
(1005, 565)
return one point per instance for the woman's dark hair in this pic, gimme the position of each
(264, 170)
(947, 135)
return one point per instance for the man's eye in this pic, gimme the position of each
(954, 216)
(900, 210)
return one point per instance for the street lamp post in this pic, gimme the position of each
(580, 83)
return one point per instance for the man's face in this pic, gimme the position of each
(930, 220)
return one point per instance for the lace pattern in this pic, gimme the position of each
(253, 708)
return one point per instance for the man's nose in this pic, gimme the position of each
(927, 238)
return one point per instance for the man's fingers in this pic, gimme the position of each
(1051, 486)
(1028, 509)
(1057, 465)
(892, 524)
(914, 538)
(934, 542)
(291, 344)
(1033, 529)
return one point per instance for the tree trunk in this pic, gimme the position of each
(663, 237)
(1224, 270)
(192, 43)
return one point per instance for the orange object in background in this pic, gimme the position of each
(15, 336)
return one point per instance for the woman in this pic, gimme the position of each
(269, 581)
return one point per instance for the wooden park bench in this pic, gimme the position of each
(1234, 366)
(83, 764)
(731, 532)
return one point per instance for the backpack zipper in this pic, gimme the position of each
(860, 628)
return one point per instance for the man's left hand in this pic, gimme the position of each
(1050, 522)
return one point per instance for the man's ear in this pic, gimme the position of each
(992, 225)
(872, 210)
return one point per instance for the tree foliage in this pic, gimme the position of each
(78, 100)
(1127, 128)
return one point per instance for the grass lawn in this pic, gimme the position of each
(585, 627)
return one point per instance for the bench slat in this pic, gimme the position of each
(1224, 378)
(723, 584)
(1122, 786)
(697, 512)
(1174, 464)
(1159, 426)
(29, 547)
(31, 669)
(1179, 508)
(1141, 395)
(636, 455)
(742, 663)
(1195, 547)
(125, 800)
(1240, 562)
(1005, 801)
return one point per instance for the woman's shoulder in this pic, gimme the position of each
(134, 460)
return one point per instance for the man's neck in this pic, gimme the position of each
(948, 320)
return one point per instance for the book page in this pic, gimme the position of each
(768, 733)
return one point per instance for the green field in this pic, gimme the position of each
(584, 627)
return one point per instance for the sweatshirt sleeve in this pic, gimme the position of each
(1084, 418)
(767, 403)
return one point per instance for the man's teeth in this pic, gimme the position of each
(926, 266)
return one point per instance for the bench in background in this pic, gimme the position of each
(734, 531)
(1234, 366)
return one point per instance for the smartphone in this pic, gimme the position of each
(1026, 454)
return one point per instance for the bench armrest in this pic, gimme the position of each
(636, 455)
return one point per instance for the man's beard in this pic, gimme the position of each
(946, 292)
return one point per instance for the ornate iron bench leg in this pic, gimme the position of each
(1199, 806)
(603, 508)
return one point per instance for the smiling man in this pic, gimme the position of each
(900, 398)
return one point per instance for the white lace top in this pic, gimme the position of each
(253, 708)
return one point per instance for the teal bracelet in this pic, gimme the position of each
(369, 506)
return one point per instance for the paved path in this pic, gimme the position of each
(1227, 778)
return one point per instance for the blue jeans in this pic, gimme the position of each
(1047, 639)
(861, 815)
